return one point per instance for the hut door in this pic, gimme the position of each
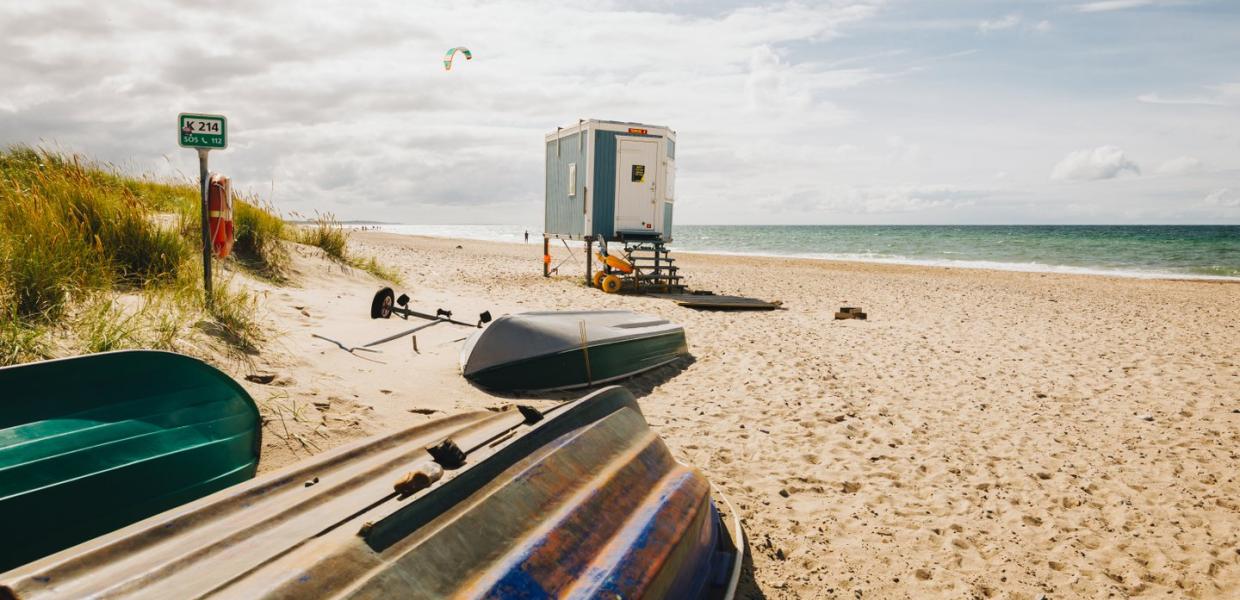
(635, 185)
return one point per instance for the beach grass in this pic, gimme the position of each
(65, 227)
(379, 269)
(259, 238)
(326, 233)
(76, 236)
(21, 341)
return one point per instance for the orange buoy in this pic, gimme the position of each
(220, 215)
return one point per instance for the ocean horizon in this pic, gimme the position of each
(1210, 252)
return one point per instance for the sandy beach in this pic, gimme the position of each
(983, 434)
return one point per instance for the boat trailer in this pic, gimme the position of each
(386, 303)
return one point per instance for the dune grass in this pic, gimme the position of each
(64, 227)
(21, 341)
(259, 238)
(76, 236)
(328, 234)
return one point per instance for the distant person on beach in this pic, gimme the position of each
(527, 236)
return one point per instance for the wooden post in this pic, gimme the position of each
(589, 259)
(546, 256)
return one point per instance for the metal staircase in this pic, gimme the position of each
(654, 270)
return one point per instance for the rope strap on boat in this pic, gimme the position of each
(585, 351)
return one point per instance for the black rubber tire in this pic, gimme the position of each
(381, 306)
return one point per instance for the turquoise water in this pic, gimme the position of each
(1205, 251)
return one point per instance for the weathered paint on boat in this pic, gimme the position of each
(93, 443)
(583, 501)
(541, 351)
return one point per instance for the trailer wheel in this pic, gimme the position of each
(381, 306)
(598, 279)
(611, 284)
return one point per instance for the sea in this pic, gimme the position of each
(1145, 251)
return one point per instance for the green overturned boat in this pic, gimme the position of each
(93, 443)
(542, 351)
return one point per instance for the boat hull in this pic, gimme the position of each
(93, 443)
(582, 500)
(582, 367)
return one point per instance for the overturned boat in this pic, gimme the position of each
(93, 443)
(582, 500)
(539, 351)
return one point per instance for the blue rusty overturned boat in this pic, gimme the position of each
(93, 443)
(581, 500)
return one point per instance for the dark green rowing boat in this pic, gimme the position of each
(540, 351)
(93, 443)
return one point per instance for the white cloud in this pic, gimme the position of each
(1223, 94)
(1181, 165)
(1226, 198)
(1043, 26)
(876, 200)
(350, 111)
(902, 150)
(1112, 5)
(845, 101)
(1006, 22)
(1103, 162)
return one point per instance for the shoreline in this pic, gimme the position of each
(991, 266)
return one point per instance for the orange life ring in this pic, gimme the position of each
(219, 215)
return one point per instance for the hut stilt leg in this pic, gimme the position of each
(589, 259)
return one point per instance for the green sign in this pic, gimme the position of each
(203, 131)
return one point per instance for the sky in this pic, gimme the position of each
(850, 112)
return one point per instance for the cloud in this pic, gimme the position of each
(1043, 26)
(1223, 94)
(350, 112)
(1226, 198)
(1006, 22)
(1103, 162)
(853, 103)
(1113, 5)
(876, 200)
(1182, 165)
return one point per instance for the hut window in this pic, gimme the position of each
(572, 179)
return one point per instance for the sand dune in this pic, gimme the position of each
(983, 434)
